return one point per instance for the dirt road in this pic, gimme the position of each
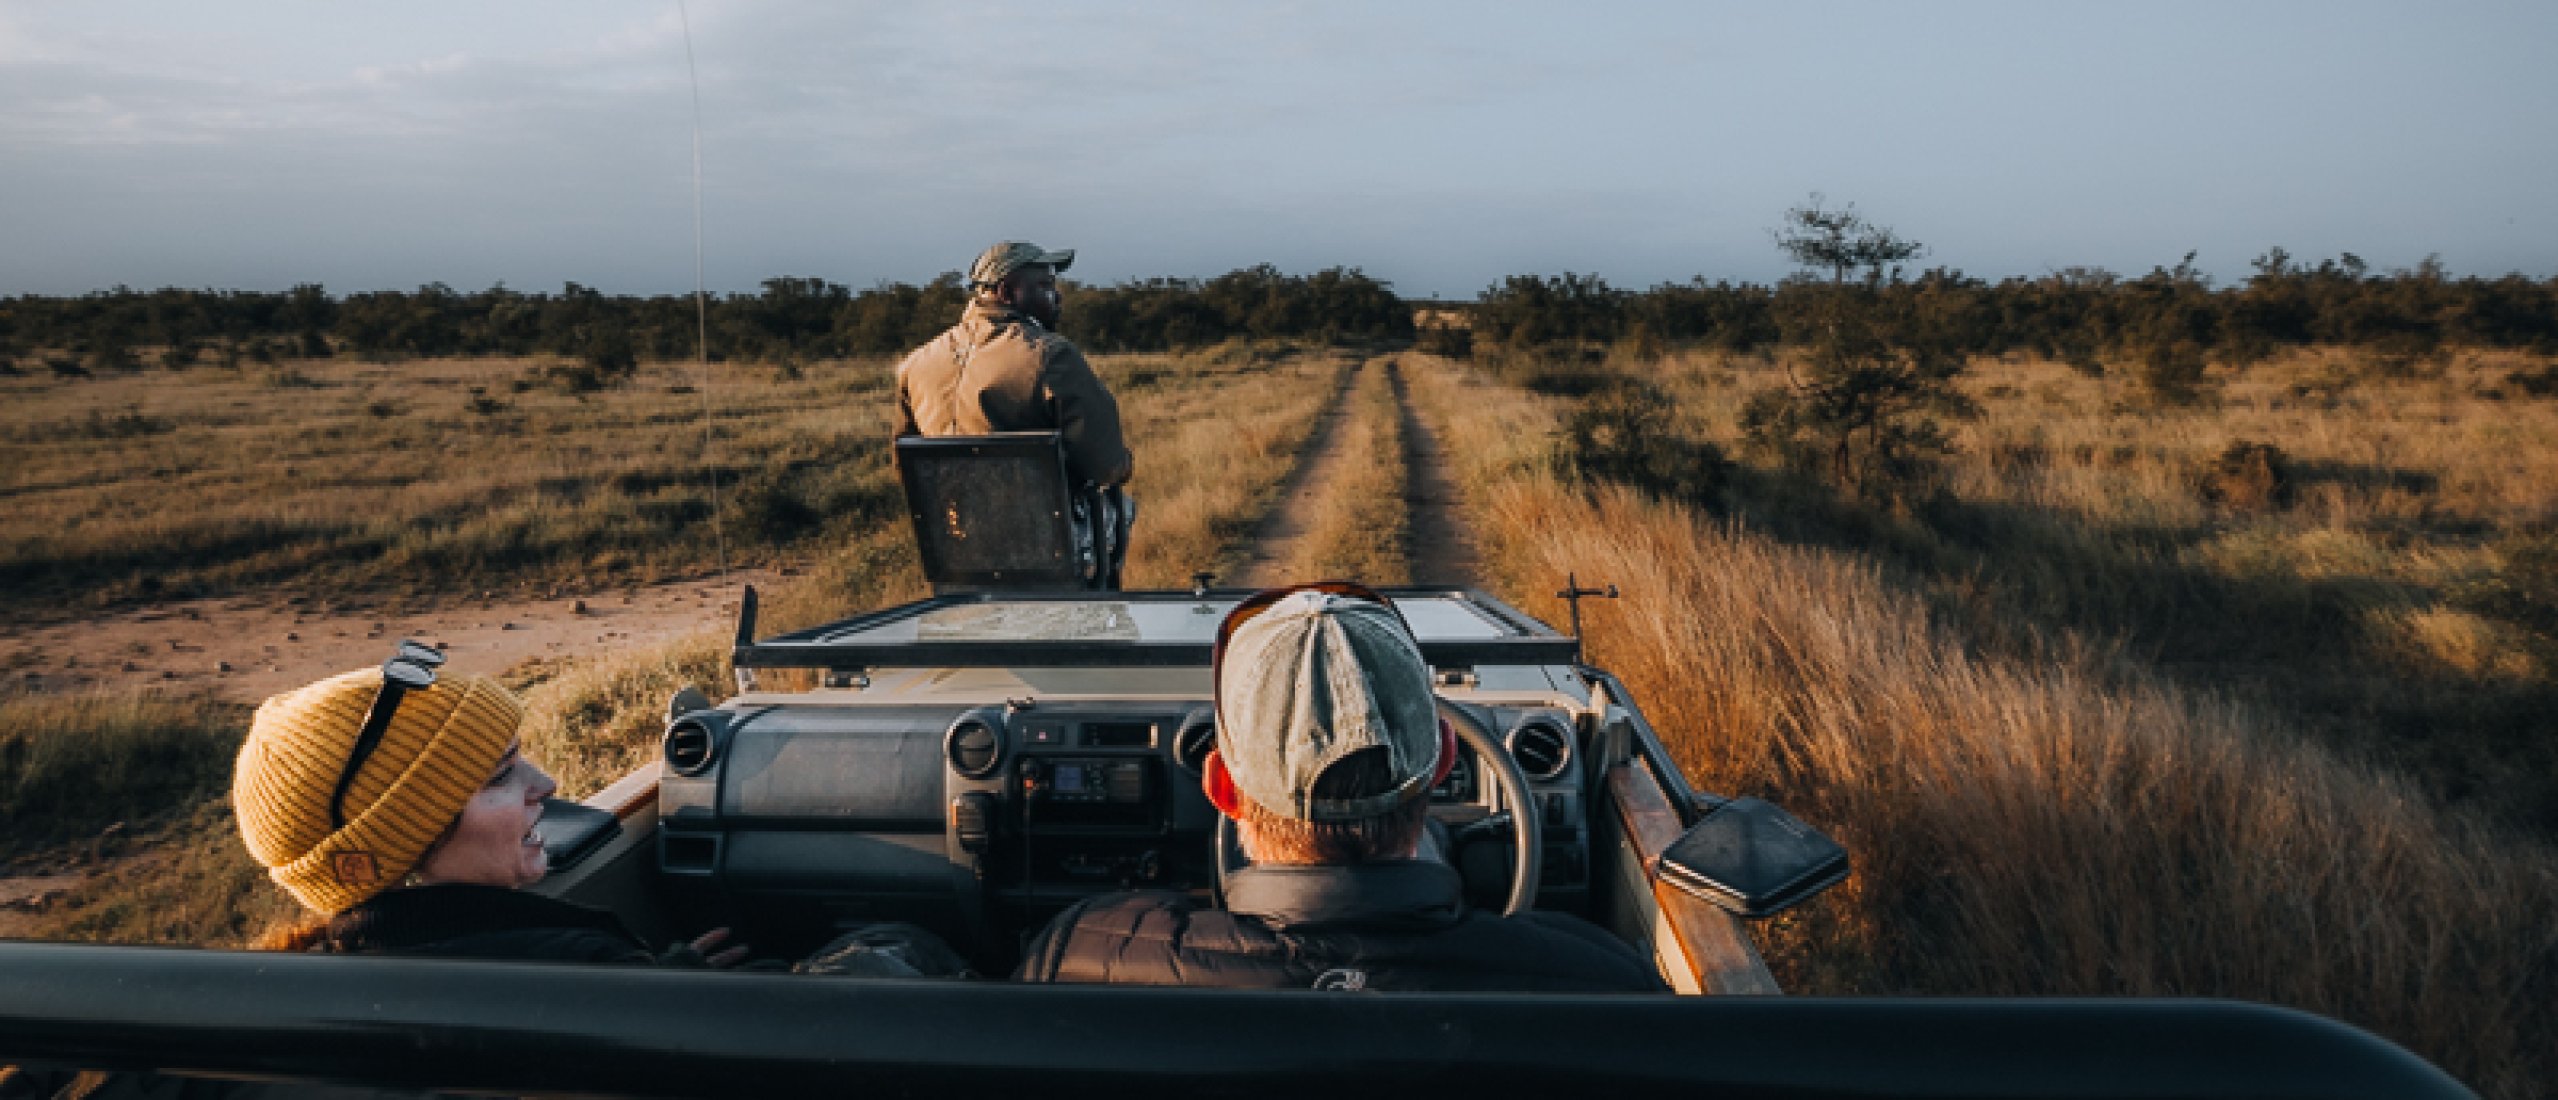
(1437, 545)
(247, 648)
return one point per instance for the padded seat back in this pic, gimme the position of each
(996, 512)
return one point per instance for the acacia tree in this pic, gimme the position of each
(1875, 373)
(1841, 240)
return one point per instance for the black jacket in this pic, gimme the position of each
(460, 920)
(1399, 925)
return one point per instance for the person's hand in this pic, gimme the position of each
(704, 951)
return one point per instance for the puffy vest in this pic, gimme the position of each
(1399, 925)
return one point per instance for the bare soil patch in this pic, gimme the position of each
(249, 647)
(23, 897)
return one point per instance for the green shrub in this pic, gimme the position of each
(1626, 434)
(1555, 370)
(1862, 409)
(1447, 340)
(2170, 372)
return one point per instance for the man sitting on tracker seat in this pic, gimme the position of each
(1004, 368)
(1328, 742)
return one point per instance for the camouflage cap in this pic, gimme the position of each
(1311, 679)
(1005, 257)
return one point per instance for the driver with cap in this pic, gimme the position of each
(1003, 368)
(1328, 742)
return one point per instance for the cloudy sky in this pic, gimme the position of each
(366, 145)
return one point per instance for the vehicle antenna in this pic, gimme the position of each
(1572, 594)
(701, 299)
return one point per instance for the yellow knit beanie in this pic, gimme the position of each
(443, 744)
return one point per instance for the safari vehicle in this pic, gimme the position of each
(975, 761)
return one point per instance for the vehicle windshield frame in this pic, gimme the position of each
(1498, 634)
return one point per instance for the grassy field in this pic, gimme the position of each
(2372, 556)
(2036, 805)
(346, 480)
(173, 869)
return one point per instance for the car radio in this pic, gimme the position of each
(1078, 774)
(1085, 779)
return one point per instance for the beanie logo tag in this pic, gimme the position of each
(355, 868)
(1345, 979)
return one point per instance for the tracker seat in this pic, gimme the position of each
(1000, 512)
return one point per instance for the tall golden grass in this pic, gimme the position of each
(1211, 455)
(2364, 600)
(2049, 824)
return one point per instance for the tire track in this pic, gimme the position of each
(1438, 544)
(1438, 549)
(1278, 539)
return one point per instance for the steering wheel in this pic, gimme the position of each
(1527, 835)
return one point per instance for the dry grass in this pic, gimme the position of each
(1358, 526)
(2051, 824)
(591, 720)
(189, 882)
(71, 765)
(130, 787)
(422, 477)
(1210, 457)
(2370, 598)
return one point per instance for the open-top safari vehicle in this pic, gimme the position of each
(975, 761)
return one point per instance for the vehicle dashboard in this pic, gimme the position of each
(982, 804)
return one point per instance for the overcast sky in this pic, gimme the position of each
(1442, 146)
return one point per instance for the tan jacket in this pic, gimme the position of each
(999, 371)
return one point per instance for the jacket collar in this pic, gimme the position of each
(419, 915)
(1400, 893)
(981, 316)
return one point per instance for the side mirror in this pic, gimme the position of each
(687, 700)
(1753, 859)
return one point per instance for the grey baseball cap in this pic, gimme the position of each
(1311, 679)
(1005, 257)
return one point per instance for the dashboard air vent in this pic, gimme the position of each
(974, 747)
(1191, 745)
(1542, 746)
(690, 748)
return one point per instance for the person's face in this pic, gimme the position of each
(495, 842)
(1033, 290)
